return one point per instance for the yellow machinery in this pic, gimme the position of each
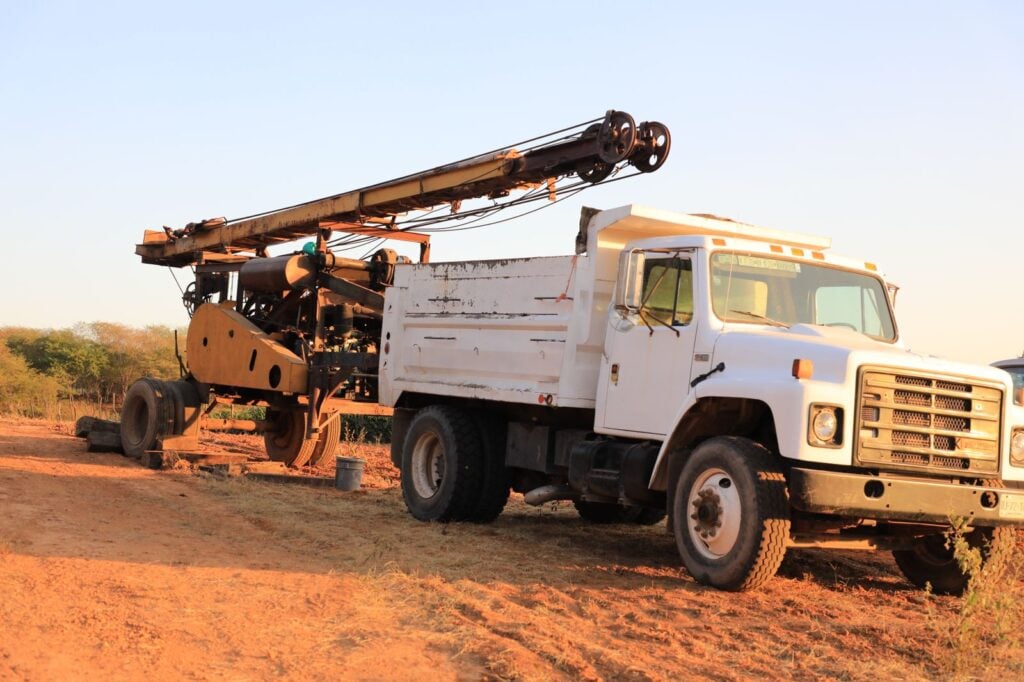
(299, 333)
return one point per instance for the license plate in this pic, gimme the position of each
(1011, 506)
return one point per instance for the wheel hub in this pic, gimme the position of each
(708, 514)
(714, 525)
(428, 468)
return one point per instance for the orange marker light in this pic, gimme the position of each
(775, 248)
(718, 242)
(803, 369)
(871, 266)
(797, 252)
(818, 255)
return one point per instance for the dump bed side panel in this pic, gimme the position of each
(493, 330)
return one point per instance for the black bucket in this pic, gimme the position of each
(348, 473)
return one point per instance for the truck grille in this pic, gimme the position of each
(942, 425)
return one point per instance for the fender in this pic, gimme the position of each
(774, 393)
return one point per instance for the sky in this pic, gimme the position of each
(896, 129)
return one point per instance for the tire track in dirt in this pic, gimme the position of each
(110, 569)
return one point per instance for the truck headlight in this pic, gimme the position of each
(1017, 448)
(826, 426)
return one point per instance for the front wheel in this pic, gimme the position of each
(731, 514)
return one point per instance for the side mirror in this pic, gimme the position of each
(630, 288)
(1018, 396)
(893, 290)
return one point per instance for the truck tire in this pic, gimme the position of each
(731, 514)
(183, 394)
(931, 562)
(442, 465)
(327, 443)
(147, 414)
(604, 512)
(287, 443)
(494, 480)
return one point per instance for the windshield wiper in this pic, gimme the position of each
(774, 323)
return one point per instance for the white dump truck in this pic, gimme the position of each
(744, 381)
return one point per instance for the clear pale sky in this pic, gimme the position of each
(895, 128)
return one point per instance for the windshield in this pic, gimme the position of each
(760, 289)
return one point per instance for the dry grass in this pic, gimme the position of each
(540, 595)
(984, 639)
(185, 575)
(62, 410)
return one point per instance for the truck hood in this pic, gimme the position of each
(836, 353)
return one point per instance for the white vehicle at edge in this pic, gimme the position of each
(741, 380)
(1015, 368)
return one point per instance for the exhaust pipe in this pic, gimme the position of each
(549, 493)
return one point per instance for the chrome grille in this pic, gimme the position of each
(947, 423)
(939, 424)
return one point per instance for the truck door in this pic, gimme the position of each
(646, 365)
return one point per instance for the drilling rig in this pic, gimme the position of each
(300, 333)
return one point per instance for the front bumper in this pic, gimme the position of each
(874, 497)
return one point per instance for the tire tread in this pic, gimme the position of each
(494, 482)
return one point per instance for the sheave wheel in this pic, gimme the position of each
(731, 514)
(442, 465)
(287, 443)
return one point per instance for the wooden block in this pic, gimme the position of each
(316, 481)
(103, 441)
(223, 470)
(213, 458)
(180, 443)
(152, 459)
(264, 467)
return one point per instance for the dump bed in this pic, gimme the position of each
(515, 330)
(527, 330)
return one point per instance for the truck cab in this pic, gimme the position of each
(745, 382)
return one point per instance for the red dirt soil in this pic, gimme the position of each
(108, 569)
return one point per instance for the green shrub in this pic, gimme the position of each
(365, 428)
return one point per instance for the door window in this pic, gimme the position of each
(668, 291)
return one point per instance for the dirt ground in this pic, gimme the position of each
(108, 569)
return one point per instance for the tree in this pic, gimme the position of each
(24, 391)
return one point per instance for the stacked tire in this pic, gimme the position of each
(152, 410)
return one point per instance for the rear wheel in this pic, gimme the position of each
(287, 442)
(442, 465)
(327, 443)
(147, 415)
(494, 482)
(731, 514)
